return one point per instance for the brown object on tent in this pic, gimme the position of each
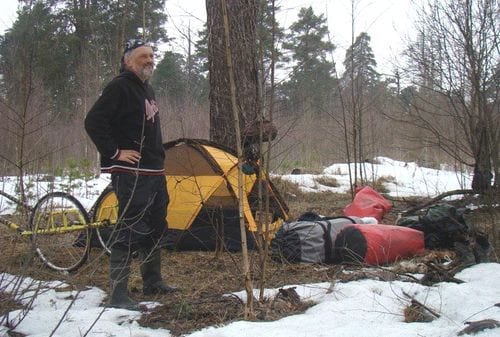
(202, 183)
(251, 133)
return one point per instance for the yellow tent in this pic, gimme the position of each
(202, 182)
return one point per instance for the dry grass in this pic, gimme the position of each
(416, 313)
(327, 181)
(324, 203)
(379, 184)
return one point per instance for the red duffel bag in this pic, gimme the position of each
(377, 244)
(368, 203)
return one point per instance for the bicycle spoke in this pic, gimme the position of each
(61, 236)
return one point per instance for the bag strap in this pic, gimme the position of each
(327, 229)
(328, 240)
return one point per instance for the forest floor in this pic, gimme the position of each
(205, 279)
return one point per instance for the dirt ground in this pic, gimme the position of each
(205, 278)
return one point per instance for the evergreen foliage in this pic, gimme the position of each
(265, 25)
(360, 64)
(76, 46)
(311, 82)
(169, 77)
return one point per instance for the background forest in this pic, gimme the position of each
(439, 105)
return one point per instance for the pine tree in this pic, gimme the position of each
(359, 92)
(265, 24)
(82, 43)
(311, 82)
(69, 50)
(242, 51)
(170, 79)
(360, 65)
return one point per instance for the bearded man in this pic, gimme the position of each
(124, 125)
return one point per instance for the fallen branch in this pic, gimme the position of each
(477, 326)
(434, 200)
(16, 201)
(442, 275)
(415, 302)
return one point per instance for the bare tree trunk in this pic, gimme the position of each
(242, 36)
(249, 313)
(264, 219)
(481, 181)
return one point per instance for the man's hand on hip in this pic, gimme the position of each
(129, 156)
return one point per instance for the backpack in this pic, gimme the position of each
(442, 225)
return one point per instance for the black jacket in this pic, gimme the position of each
(125, 114)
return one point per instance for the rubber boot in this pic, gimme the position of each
(151, 273)
(119, 273)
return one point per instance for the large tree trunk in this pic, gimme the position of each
(242, 16)
(232, 56)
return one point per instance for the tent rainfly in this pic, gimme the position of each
(202, 182)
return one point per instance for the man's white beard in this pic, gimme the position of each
(147, 72)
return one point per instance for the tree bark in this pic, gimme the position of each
(242, 16)
(249, 314)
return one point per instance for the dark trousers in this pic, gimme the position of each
(142, 210)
